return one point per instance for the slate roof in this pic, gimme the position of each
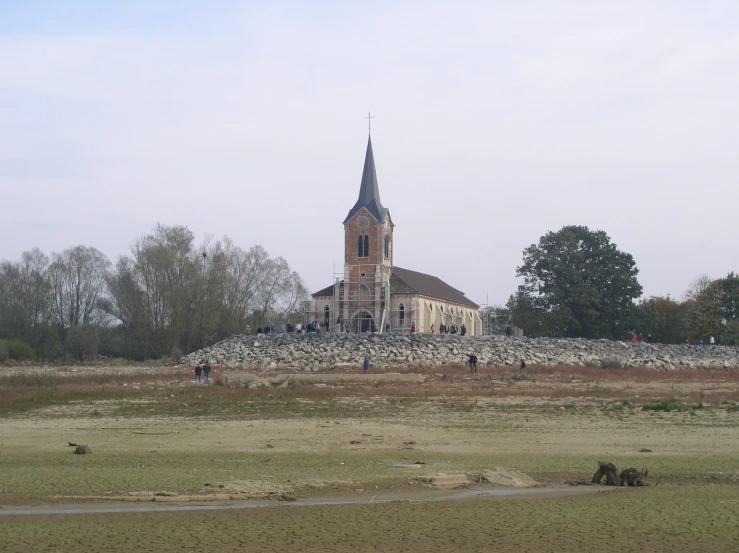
(405, 281)
(369, 192)
(328, 291)
(427, 285)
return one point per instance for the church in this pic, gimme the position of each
(373, 294)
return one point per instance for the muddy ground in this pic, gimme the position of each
(155, 431)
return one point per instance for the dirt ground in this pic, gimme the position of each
(158, 432)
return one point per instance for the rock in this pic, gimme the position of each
(502, 476)
(447, 481)
(345, 352)
(83, 450)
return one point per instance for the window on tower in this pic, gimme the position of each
(363, 246)
(387, 247)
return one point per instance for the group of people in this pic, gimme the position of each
(202, 371)
(444, 328)
(636, 338)
(307, 328)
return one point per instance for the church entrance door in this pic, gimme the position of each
(363, 322)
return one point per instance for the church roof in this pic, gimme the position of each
(404, 281)
(427, 285)
(369, 192)
(328, 291)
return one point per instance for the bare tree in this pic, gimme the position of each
(697, 286)
(77, 277)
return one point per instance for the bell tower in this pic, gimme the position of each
(368, 250)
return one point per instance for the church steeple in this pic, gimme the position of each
(369, 192)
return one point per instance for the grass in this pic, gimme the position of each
(662, 519)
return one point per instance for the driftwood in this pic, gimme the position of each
(72, 444)
(627, 477)
(155, 433)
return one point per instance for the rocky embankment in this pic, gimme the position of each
(328, 351)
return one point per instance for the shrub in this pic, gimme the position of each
(667, 406)
(611, 364)
(81, 343)
(3, 351)
(20, 351)
(176, 354)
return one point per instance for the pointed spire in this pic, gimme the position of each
(369, 192)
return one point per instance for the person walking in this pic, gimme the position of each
(198, 372)
(365, 365)
(206, 371)
(473, 362)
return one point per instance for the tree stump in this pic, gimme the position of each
(632, 477)
(608, 470)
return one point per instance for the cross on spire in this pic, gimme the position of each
(369, 119)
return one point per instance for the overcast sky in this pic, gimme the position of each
(495, 122)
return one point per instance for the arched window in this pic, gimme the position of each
(366, 246)
(387, 247)
(360, 247)
(401, 316)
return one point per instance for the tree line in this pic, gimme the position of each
(578, 284)
(168, 297)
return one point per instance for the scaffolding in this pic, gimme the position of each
(361, 305)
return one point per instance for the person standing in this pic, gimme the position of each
(365, 365)
(649, 338)
(711, 341)
(413, 327)
(432, 328)
(634, 339)
(198, 372)
(206, 371)
(473, 362)
(464, 329)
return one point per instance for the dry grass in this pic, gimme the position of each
(333, 440)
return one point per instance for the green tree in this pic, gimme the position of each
(663, 318)
(714, 311)
(576, 284)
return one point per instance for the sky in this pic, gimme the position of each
(494, 123)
